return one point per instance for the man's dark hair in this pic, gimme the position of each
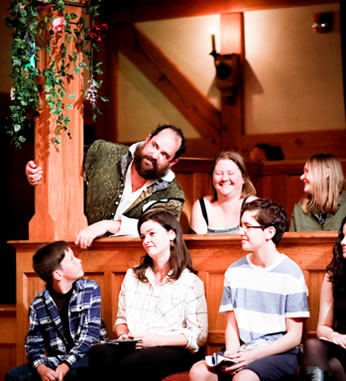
(178, 132)
(269, 213)
(48, 258)
(272, 152)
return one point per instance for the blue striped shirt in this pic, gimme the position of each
(262, 298)
(45, 341)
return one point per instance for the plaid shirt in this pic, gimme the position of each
(45, 342)
(171, 307)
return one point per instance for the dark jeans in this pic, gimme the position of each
(112, 362)
(327, 356)
(26, 373)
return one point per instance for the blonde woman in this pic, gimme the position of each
(232, 188)
(324, 205)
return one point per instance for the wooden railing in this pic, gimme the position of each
(108, 259)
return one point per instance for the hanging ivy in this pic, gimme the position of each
(56, 30)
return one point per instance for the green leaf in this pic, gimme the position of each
(72, 96)
(69, 107)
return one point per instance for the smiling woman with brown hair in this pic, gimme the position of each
(232, 188)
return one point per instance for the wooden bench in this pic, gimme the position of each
(108, 259)
(7, 338)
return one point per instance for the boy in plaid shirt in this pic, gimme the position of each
(64, 319)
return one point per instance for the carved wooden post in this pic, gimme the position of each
(59, 206)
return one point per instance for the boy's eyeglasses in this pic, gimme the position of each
(246, 228)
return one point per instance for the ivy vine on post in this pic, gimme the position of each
(32, 32)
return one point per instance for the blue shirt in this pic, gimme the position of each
(45, 341)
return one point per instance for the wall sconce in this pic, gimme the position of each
(323, 22)
(227, 73)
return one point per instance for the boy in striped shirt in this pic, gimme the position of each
(265, 301)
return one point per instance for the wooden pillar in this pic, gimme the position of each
(59, 205)
(232, 41)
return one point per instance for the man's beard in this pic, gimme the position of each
(153, 172)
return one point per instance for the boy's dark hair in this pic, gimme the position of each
(48, 258)
(178, 132)
(272, 152)
(269, 213)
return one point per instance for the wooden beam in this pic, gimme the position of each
(232, 41)
(300, 145)
(143, 10)
(165, 75)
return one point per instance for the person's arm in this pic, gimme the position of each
(34, 341)
(33, 173)
(151, 340)
(198, 224)
(232, 339)
(120, 326)
(326, 315)
(196, 317)
(36, 352)
(194, 333)
(86, 236)
(90, 330)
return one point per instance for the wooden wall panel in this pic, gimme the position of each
(7, 338)
(117, 280)
(314, 280)
(8, 358)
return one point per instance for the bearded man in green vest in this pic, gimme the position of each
(123, 182)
